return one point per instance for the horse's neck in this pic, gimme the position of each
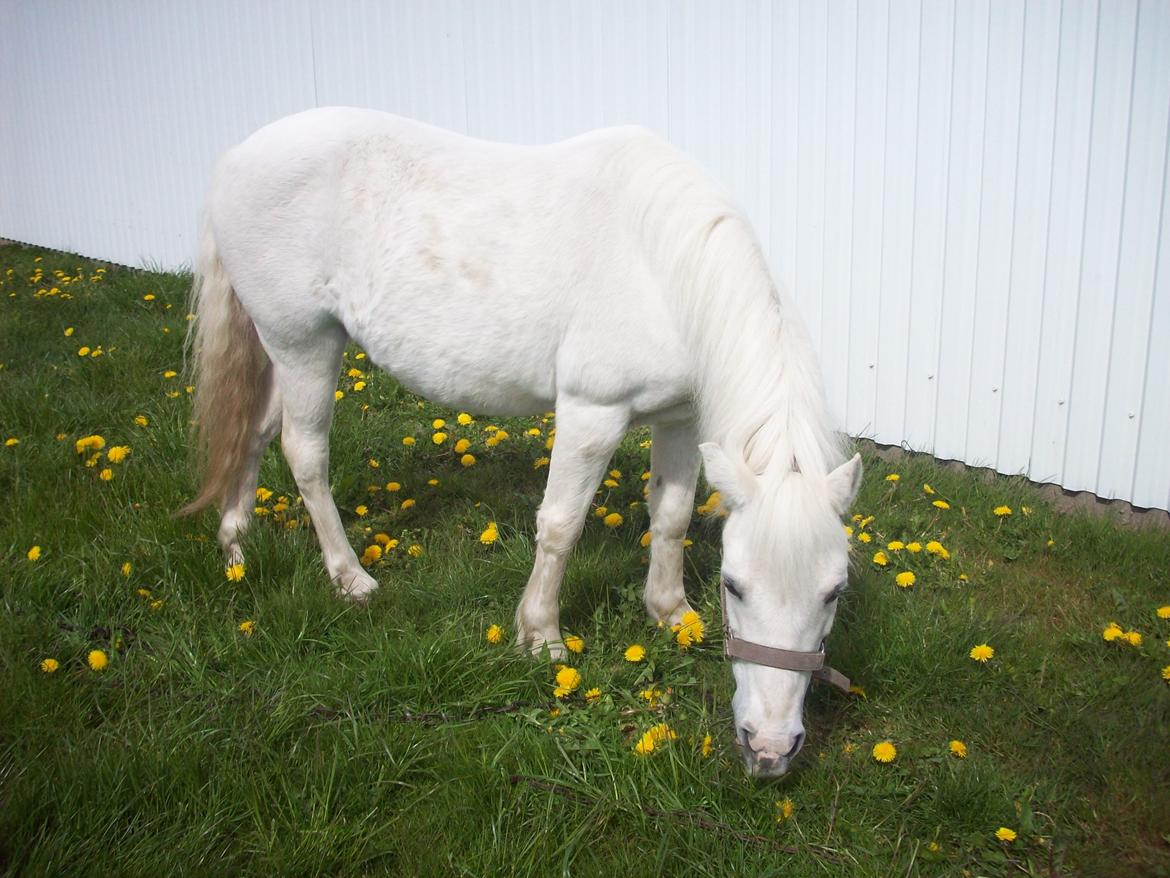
(759, 384)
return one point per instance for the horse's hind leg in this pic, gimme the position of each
(306, 379)
(587, 435)
(237, 510)
(674, 469)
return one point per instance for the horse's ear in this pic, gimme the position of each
(844, 483)
(732, 479)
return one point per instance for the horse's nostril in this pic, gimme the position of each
(796, 742)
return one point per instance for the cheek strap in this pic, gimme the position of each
(774, 657)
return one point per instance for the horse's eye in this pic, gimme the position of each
(732, 588)
(836, 593)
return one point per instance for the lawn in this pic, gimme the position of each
(262, 725)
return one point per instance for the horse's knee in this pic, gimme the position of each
(557, 530)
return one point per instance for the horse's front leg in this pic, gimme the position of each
(674, 469)
(586, 437)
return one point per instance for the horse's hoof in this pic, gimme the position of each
(357, 588)
(233, 554)
(672, 617)
(538, 645)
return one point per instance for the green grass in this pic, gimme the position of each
(394, 739)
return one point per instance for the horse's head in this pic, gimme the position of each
(785, 562)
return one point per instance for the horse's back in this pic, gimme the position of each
(508, 258)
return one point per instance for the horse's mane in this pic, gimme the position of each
(758, 386)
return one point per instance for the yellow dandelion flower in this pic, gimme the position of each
(462, 445)
(1163, 612)
(83, 351)
(848, 530)
(532, 431)
(97, 660)
(610, 483)
(361, 510)
(941, 504)
(467, 460)
(1005, 834)
(539, 462)
(614, 519)
(463, 419)
(149, 297)
(50, 665)
(490, 534)
(106, 475)
(708, 746)
(142, 420)
(68, 331)
(568, 679)
(958, 749)
(574, 643)
(690, 630)
(914, 547)
(895, 545)
(248, 627)
(89, 443)
(635, 653)
(407, 503)
(592, 695)
(439, 438)
(600, 511)
(438, 424)
(434, 483)
(981, 653)
(1133, 638)
(864, 537)
(893, 477)
(653, 737)
(359, 386)
(393, 487)
(33, 554)
(11, 441)
(415, 550)
(169, 374)
(905, 579)
(156, 605)
(118, 453)
(234, 572)
(926, 489)
(1112, 632)
(494, 634)
(784, 809)
(644, 541)
(880, 559)
(372, 554)
(1002, 511)
(1166, 673)
(339, 394)
(408, 440)
(885, 752)
(127, 567)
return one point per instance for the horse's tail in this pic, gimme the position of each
(231, 373)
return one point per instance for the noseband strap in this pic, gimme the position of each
(774, 657)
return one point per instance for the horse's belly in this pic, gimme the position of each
(467, 367)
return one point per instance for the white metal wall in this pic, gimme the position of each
(968, 197)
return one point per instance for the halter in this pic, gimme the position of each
(774, 657)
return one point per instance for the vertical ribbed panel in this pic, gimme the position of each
(969, 199)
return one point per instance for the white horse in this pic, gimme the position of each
(605, 276)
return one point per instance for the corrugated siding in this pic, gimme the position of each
(968, 198)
